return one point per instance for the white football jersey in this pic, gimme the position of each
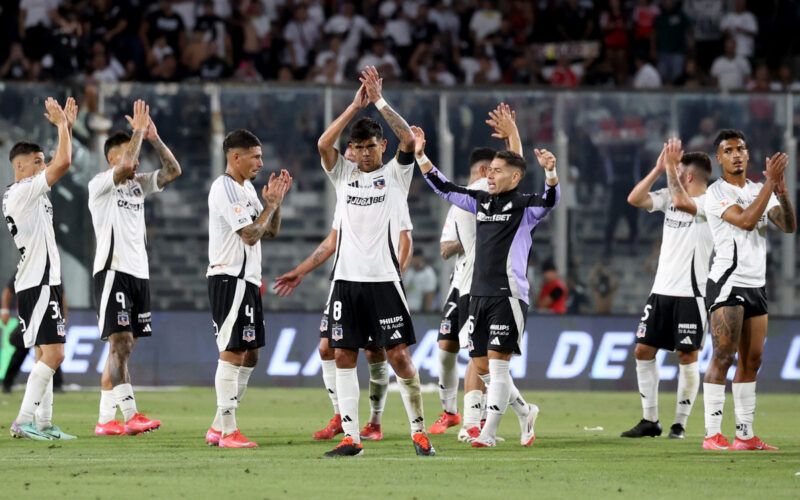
(371, 207)
(739, 254)
(686, 247)
(450, 233)
(466, 227)
(232, 206)
(118, 219)
(29, 216)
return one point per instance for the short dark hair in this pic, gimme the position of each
(23, 148)
(512, 159)
(240, 139)
(116, 139)
(481, 154)
(700, 162)
(728, 133)
(364, 129)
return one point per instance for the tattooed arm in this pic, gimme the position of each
(274, 225)
(449, 248)
(170, 168)
(273, 194)
(286, 283)
(680, 198)
(783, 215)
(373, 84)
(130, 158)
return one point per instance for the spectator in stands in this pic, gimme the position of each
(644, 17)
(301, 34)
(445, 19)
(420, 284)
(104, 67)
(761, 81)
(646, 76)
(196, 52)
(614, 27)
(422, 29)
(382, 60)
(690, 77)
(604, 285)
(213, 66)
(164, 23)
(212, 27)
(329, 65)
(480, 68)
(575, 22)
(730, 71)
(390, 8)
(104, 21)
(552, 297)
(785, 82)
(671, 39)
(167, 70)
(743, 27)
(704, 139)
(36, 19)
(17, 66)
(351, 27)
(706, 16)
(397, 31)
(563, 75)
(485, 21)
(577, 297)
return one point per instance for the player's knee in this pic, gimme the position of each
(250, 358)
(751, 362)
(325, 353)
(121, 348)
(724, 359)
(375, 355)
(643, 352)
(345, 358)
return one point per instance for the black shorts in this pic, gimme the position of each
(236, 313)
(123, 304)
(454, 317)
(754, 300)
(495, 324)
(369, 315)
(673, 323)
(40, 315)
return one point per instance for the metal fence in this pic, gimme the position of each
(605, 142)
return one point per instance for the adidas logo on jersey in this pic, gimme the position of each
(686, 340)
(147, 329)
(396, 335)
(495, 341)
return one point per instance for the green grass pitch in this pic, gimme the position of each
(565, 461)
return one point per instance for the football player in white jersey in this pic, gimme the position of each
(29, 217)
(675, 317)
(236, 224)
(378, 369)
(121, 270)
(367, 305)
(737, 210)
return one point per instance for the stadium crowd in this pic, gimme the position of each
(729, 44)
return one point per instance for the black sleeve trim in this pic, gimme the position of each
(405, 157)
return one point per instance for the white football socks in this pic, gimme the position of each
(378, 389)
(744, 407)
(329, 379)
(412, 399)
(44, 412)
(473, 408)
(486, 379)
(448, 381)
(123, 393)
(688, 384)
(226, 381)
(39, 378)
(241, 381)
(108, 407)
(647, 377)
(496, 397)
(714, 401)
(347, 389)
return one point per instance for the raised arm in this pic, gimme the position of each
(748, 218)
(680, 198)
(373, 84)
(327, 141)
(170, 168)
(459, 196)
(273, 194)
(286, 283)
(130, 158)
(504, 122)
(639, 196)
(62, 159)
(783, 215)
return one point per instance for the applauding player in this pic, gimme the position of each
(29, 216)
(121, 270)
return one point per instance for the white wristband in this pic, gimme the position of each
(423, 159)
(550, 174)
(381, 103)
(5, 311)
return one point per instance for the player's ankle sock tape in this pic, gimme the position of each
(378, 389)
(126, 401)
(647, 379)
(688, 385)
(473, 408)
(108, 407)
(714, 401)
(38, 379)
(44, 412)
(744, 408)
(412, 399)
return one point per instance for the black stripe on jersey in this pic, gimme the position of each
(244, 264)
(107, 265)
(46, 276)
(729, 271)
(695, 289)
(391, 252)
(338, 247)
(230, 190)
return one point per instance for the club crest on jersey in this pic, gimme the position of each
(470, 346)
(336, 333)
(249, 333)
(641, 330)
(137, 191)
(379, 183)
(444, 328)
(323, 325)
(61, 330)
(123, 319)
